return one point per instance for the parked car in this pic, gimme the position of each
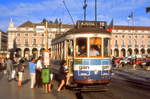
(118, 59)
(138, 61)
(124, 61)
(145, 63)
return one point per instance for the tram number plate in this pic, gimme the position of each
(83, 67)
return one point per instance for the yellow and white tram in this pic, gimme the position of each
(86, 48)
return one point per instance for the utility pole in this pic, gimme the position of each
(95, 10)
(84, 8)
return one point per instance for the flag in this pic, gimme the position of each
(147, 9)
(110, 26)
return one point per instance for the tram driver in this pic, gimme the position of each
(82, 50)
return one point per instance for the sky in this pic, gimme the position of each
(36, 10)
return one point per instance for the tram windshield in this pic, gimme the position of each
(81, 47)
(106, 47)
(95, 46)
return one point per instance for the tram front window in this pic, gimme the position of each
(95, 46)
(81, 47)
(106, 47)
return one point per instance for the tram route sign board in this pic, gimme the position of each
(98, 24)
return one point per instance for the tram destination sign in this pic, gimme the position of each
(98, 24)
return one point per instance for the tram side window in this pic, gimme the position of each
(95, 46)
(106, 47)
(81, 47)
(70, 48)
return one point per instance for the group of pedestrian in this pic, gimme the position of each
(40, 75)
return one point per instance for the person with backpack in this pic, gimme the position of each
(20, 72)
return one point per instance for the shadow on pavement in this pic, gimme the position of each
(79, 95)
(25, 81)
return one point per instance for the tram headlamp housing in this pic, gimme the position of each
(106, 68)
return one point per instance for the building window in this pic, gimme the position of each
(116, 36)
(26, 34)
(142, 42)
(136, 42)
(135, 36)
(148, 36)
(129, 42)
(116, 42)
(122, 36)
(123, 42)
(26, 41)
(18, 34)
(18, 40)
(34, 41)
(148, 42)
(129, 36)
(34, 34)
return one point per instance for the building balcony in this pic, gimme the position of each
(26, 45)
(123, 46)
(148, 45)
(42, 45)
(34, 45)
(129, 45)
(142, 45)
(18, 45)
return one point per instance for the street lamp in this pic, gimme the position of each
(147, 9)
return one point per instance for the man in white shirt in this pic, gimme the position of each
(94, 52)
(39, 63)
(38, 72)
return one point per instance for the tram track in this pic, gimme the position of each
(136, 82)
(113, 93)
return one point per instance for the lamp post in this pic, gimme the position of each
(46, 34)
(46, 51)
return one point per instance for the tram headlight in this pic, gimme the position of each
(106, 68)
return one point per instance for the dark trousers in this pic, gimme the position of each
(38, 79)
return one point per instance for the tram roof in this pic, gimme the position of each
(85, 30)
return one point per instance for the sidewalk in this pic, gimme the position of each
(10, 90)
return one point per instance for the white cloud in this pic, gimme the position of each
(52, 9)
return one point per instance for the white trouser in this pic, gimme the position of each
(20, 76)
(13, 74)
(51, 76)
(32, 79)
